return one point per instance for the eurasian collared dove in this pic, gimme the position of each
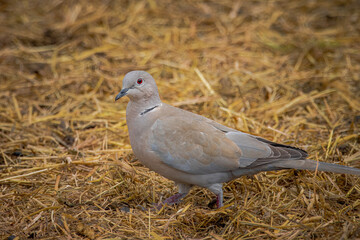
(193, 150)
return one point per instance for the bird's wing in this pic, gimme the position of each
(195, 146)
(247, 142)
(277, 152)
(191, 146)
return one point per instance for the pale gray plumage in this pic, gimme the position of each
(193, 150)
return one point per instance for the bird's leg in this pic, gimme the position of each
(183, 191)
(174, 199)
(219, 200)
(170, 200)
(217, 189)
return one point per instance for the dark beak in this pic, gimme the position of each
(121, 93)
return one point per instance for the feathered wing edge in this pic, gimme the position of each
(288, 157)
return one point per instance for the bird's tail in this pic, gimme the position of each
(308, 164)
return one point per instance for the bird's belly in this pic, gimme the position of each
(151, 160)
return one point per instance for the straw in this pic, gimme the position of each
(284, 70)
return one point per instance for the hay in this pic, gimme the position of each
(285, 70)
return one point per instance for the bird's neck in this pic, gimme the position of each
(142, 107)
(139, 117)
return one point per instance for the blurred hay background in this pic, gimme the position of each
(286, 70)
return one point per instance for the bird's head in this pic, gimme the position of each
(139, 86)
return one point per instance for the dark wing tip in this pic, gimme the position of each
(293, 151)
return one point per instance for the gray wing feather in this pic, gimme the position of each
(251, 148)
(201, 146)
(193, 146)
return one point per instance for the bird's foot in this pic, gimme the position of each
(171, 200)
(174, 198)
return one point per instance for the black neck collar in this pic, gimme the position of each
(148, 110)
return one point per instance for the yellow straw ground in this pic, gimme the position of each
(285, 70)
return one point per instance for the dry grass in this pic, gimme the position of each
(285, 70)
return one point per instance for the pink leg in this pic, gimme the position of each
(171, 200)
(219, 200)
(217, 189)
(174, 199)
(183, 191)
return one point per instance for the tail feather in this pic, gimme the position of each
(308, 164)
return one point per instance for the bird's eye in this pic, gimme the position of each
(139, 81)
